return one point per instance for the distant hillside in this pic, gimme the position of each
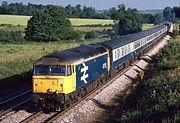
(153, 12)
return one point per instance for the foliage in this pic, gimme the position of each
(91, 35)
(177, 11)
(10, 36)
(175, 33)
(146, 18)
(168, 58)
(168, 14)
(72, 11)
(158, 18)
(49, 25)
(158, 98)
(128, 21)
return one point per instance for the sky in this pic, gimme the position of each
(106, 4)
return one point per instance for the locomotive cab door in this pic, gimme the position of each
(73, 76)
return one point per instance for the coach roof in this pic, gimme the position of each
(123, 40)
(73, 55)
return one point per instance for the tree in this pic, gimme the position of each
(158, 18)
(168, 14)
(128, 21)
(112, 12)
(177, 11)
(49, 25)
(4, 7)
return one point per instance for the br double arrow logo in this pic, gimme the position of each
(85, 75)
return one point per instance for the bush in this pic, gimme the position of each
(49, 25)
(91, 35)
(175, 33)
(11, 36)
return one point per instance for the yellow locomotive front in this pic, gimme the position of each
(51, 82)
(50, 79)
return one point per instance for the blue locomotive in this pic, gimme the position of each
(62, 77)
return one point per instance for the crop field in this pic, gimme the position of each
(82, 25)
(79, 22)
(22, 20)
(92, 29)
(147, 26)
(14, 19)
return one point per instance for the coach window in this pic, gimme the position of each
(68, 70)
(122, 51)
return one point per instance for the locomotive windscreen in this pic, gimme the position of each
(50, 70)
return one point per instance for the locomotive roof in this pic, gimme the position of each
(123, 40)
(73, 55)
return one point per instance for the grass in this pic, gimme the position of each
(147, 26)
(19, 58)
(92, 29)
(14, 19)
(79, 22)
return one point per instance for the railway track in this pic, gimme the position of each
(8, 106)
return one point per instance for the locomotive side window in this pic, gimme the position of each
(69, 72)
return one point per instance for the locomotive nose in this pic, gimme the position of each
(47, 85)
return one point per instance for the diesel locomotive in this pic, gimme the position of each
(61, 78)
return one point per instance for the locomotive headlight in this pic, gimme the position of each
(42, 83)
(57, 92)
(61, 81)
(54, 83)
(50, 90)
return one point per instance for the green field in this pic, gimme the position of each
(147, 26)
(22, 20)
(14, 19)
(18, 58)
(79, 22)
